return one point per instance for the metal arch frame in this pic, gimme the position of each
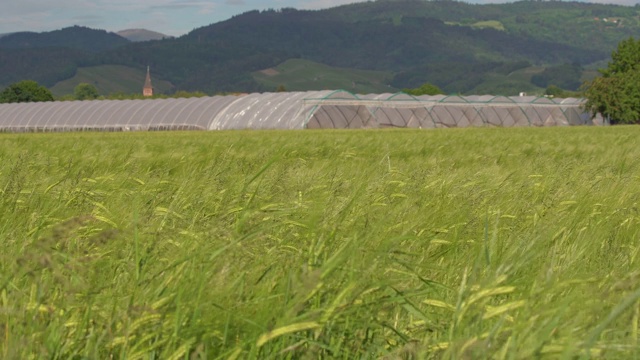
(315, 107)
(61, 110)
(250, 101)
(71, 108)
(222, 113)
(218, 114)
(324, 111)
(160, 119)
(571, 107)
(64, 116)
(292, 109)
(440, 103)
(266, 111)
(558, 104)
(42, 106)
(511, 101)
(413, 98)
(125, 105)
(302, 112)
(145, 106)
(195, 103)
(89, 108)
(11, 113)
(103, 104)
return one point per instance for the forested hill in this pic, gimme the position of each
(75, 37)
(458, 46)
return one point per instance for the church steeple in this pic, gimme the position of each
(148, 89)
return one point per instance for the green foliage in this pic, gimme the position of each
(74, 37)
(187, 94)
(443, 244)
(25, 91)
(566, 76)
(616, 94)
(555, 91)
(465, 77)
(84, 91)
(109, 79)
(139, 96)
(625, 59)
(47, 66)
(425, 89)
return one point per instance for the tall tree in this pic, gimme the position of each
(84, 91)
(25, 91)
(425, 89)
(616, 93)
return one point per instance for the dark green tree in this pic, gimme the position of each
(554, 91)
(557, 92)
(425, 89)
(84, 91)
(616, 93)
(25, 91)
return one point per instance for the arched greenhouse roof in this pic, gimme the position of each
(294, 110)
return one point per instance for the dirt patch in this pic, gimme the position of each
(270, 72)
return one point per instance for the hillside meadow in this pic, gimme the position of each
(453, 243)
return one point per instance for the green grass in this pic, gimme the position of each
(510, 84)
(506, 85)
(453, 243)
(110, 79)
(486, 24)
(302, 75)
(489, 24)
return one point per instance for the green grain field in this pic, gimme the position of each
(453, 243)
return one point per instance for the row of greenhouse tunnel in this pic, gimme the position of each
(294, 110)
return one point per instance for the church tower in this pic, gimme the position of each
(148, 89)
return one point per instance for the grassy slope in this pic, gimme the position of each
(299, 75)
(110, 79)
(485, 24)
(454, 243)
(510, 84)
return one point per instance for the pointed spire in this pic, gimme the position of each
(148, 89)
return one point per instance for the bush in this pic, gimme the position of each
(25, 91)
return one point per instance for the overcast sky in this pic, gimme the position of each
(171, 17)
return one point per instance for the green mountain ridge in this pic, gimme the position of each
(460, 47)
(136, 35)
(75, 37)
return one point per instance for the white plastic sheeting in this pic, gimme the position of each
(402, 110)
(293, 110)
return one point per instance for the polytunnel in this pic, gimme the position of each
(294, 110)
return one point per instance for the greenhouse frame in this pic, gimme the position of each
(337, 109)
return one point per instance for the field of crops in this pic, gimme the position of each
(455, 243)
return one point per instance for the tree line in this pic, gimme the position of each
(31, 91)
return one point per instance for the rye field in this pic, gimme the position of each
(435, 244)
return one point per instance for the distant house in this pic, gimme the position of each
(147, 90)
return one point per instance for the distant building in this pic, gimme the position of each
(148, 89)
